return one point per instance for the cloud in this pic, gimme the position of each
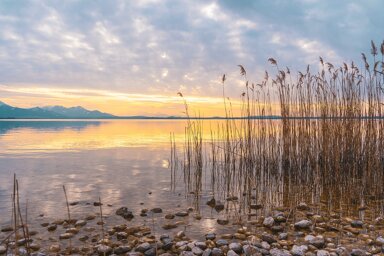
(158, 47)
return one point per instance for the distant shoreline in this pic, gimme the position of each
(185, 118)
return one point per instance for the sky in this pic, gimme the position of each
(132, 57)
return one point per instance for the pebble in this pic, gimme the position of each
(250, 250)
(232, 253)
(201, 245)
(357, 224)
(169, 216)
(122, 249)
(3, 249)
(265, 245)
(150, 252)
(358, 252)
(322, 253)
(221, 242)
(197, 251)
(84, 238)
(318, 242)
(278, 252)
(303, 224)
(212, 202)
(299, 250)
(236, 247)
(180, 234)
(121, 235)
(182, 214)
(169, 226)
(303, 207)
(6, 229)
(143, 247)
(219, 206)
(283, 236)
(268, 238)
(207, 252)
(80, 223)
(380, 241)
(103, 249)
(167, 244)
(157, 210)
(66, 236)
(186, 253)
(54, 248)
(52, 227)
(123, 212)
(268, 222)
(210, 236)
(256, 206)
(34, 246)
(222, 221)
(217, 252)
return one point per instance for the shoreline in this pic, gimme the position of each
(282, 233)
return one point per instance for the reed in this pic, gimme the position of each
(316, 137)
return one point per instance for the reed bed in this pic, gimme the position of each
(322, 145)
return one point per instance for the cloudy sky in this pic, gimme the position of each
(132, 57)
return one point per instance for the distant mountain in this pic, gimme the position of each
(54, 112)
(77, 112)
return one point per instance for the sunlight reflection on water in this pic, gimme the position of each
(121, 161)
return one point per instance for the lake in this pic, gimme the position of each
(125, 162)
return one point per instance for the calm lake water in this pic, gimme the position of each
(125, 162)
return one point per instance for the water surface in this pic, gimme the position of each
(125, 162)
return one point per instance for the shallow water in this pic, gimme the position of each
(125, 162)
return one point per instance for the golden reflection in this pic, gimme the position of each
(28, 137)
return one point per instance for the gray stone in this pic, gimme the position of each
(103, 249)
(250, 250)
(182, 214)
(303, 224)
(143, 247)
(150, 252)
(232, 253)
(80, 223)
(197, 251)
(217, 252)
(207, 252)
(167, 244)
(66, 236)
(380, 241)
(268, 222)
(121, 235)
(221, 242)
(236, 247)
(278, 252)
(358, 252)
(186, 253)
(268, 238)
(299, 250)
(357, 224)
(201, 245)
(157, 210)
(181, 243)
(265, 245)
(219, 206)
(123, 212)
(210, 236)
(283, 236)
(222, 221)
(303, 207)
(318, 242)
(122, 249)
(180, 234)
(134, 254)
(322, 253)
